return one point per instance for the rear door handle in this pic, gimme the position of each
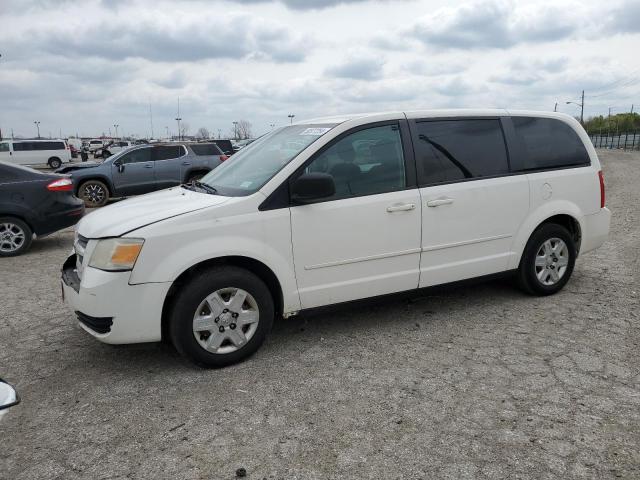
(148, 166)
(439, 201)
(401, 208)
(186, 163)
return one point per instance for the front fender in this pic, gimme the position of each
(178, 244)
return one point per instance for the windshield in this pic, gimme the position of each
(253, 166)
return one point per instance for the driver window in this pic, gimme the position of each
(366, 162)
(137, 156)
(4, 147)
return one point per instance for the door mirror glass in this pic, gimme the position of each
(8, 396)
(309, 187)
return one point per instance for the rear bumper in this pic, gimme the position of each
(67, 215)
(109, 308)
(596, 230)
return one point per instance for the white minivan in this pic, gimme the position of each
(338, 209)
(35, 152)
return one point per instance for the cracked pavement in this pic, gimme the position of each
(478, 381)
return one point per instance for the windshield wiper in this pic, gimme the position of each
(205, 187)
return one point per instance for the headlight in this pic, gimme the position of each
(116, 253)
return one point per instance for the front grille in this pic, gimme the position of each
(97, 324)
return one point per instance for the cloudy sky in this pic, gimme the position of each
(82, 66)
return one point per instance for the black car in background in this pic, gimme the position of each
(143, 169)
(226, 146)
(32, 204)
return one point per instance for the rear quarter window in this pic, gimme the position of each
(548, 143)
(205, 149)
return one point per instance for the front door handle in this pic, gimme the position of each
(401, 208)
(148, 166)
(439, 201)
(186, 163)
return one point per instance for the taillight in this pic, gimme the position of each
(62, 185)
(601, 177)
(223, 158)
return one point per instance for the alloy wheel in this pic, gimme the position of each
(93, 193)
(12, 237)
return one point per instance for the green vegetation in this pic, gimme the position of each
(620, 122)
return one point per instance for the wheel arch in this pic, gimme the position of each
(257, 267)
(564, 213)
(20, 217)
(81, 181)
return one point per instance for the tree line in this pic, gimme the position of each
(620, 122)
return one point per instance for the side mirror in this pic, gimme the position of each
(309, 187)
(120, 166)
(8, 396)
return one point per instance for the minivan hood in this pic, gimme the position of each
(122, 217)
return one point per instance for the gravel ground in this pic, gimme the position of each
(473, 382)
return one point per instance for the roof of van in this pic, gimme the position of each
(453, 112)
(33, 140)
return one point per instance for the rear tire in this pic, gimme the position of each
(15, 237)
(94, 193)
(55, 163)
(221, 316)
(547, 261)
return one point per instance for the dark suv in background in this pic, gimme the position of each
(143, 169)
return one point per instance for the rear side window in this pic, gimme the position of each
(206, 149)
(4, 147)
(167, 152)
(50, 146)
(453, 150)
(548, 143)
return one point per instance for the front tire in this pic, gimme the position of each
(15, 237)
(221, 316)
(55, 163)
(94, 193)
(547, 261)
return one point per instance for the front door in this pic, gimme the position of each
(365, 240)
(133, 173)
(471, 206)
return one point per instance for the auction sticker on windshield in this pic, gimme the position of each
(315, 131)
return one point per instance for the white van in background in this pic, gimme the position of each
(35, 152)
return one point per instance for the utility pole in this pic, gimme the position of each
(632, 109)
(273, 125)
(555, 109)
(37, 126)
(235, 130)
(291, 118)
(115, 125)
(581, 105)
